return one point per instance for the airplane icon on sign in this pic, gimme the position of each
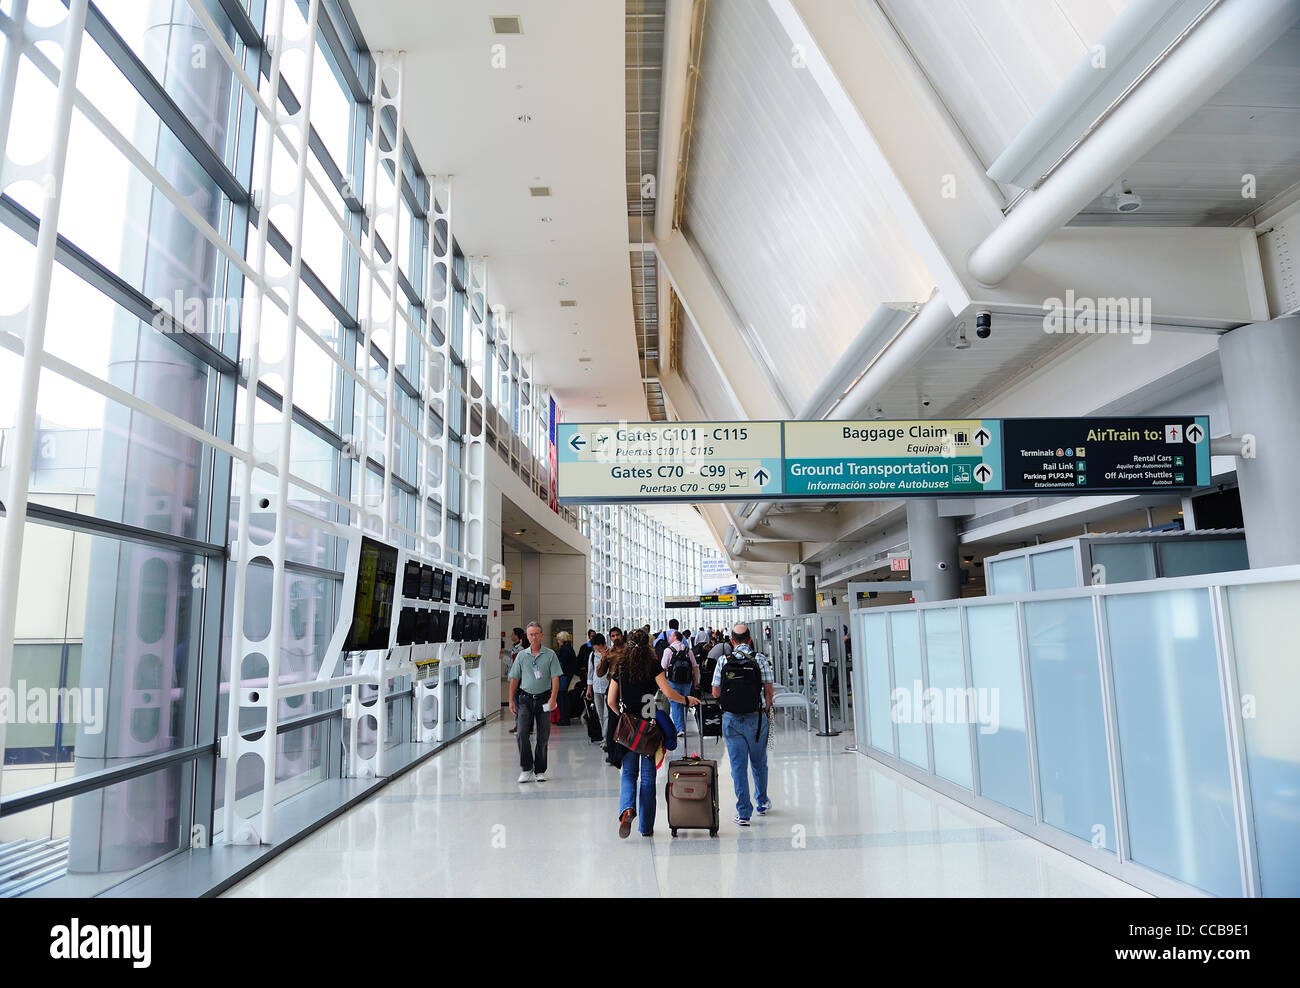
(740, 474)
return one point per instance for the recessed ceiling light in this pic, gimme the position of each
(523, 118)
(563, 282)
(546, 219)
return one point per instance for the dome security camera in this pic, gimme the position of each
(942, 566)
(984, 325)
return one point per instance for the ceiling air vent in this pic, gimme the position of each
(507, 25)
(539, 191)
(568, 303)
(584, 360)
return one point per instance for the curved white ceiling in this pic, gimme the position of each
(779, 204)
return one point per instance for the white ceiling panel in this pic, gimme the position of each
(779, 205)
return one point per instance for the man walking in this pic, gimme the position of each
(742, 681)
(534, 676)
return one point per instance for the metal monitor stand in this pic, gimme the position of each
(825, 678)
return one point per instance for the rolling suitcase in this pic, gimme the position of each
(691, 794)
(592, 717)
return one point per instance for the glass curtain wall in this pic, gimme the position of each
(636, 562)
(124, 584)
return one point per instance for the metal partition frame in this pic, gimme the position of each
(1118, 862)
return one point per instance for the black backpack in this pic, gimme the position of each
(679, 669)
(742, 683)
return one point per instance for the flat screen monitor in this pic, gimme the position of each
(372, 605)
(480, 628)
(440, 621)
(458, 628)
(426, 583)
(460, 589)
(446, 586)
(482, 594)
(411, 580)
(435, 591)
(406, 626)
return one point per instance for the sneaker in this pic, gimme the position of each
(525, 777)
(651, 834)
(625, 823)
(763, 806)
(514, 730)
(539, 777)
(742, 821)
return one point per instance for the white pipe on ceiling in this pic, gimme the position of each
(1224, 43)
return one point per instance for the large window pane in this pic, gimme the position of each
(118, 625)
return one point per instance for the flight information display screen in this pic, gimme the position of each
(372, 607)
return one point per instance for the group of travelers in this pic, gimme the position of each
(627, 674)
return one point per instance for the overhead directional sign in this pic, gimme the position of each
(1107, 454)
(749, 461)
(884, 458)
(670, 461)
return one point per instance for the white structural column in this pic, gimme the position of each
(1260, 366)
(383, 209)
(439, 297)
(48, 173)
(475, 424)
(259, 472)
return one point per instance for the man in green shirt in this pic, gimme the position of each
(534, 675)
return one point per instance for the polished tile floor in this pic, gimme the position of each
(841, 825)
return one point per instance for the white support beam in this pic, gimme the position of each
(719, 328)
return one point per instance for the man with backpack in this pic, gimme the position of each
(683, 675)
(742, 681)
(661, 640)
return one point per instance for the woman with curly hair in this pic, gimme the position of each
(635, 680)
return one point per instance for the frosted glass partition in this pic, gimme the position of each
(1206, 556)
(905, 636)
(1172, 737)
(1008, 576)
(952, 708)
(873, 654)
(1054, 570)
(1263, 636)
(1070, 734)
(1123, 562)
(1163, 740)
(993, 635)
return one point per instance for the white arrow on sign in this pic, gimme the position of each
(982, 437)
(1194, 433)
(983, 472)
(761, 476)
(577, 442)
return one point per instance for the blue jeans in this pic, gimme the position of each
(632, 762)
(678, 710)
(743, 751)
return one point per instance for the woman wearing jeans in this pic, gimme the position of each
(635, 682)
